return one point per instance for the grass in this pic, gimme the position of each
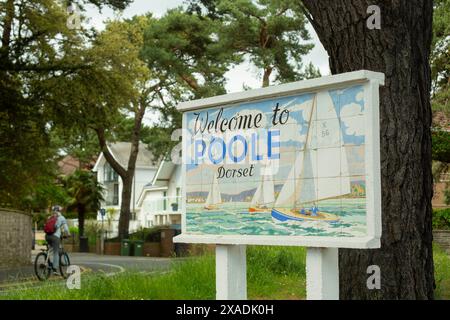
(273, 273)
(441, 273)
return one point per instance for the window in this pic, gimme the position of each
(165, 200)
(178, 195)
(109, 175)
(116, 194)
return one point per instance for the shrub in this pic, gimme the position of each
(441, 145)
(40, 218)
(441, 219)
(147, 234)
(73, 230)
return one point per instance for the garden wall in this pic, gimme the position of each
(16, 236)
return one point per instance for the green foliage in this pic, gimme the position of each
(85, 195)
(184, 54)
(47, 191)
(83, 188)
(115, 4)
(92, 231)
(40, 61)
(182, 51)
(271, 33)
(73, 230)
(80, 144)
(194, 278)
(441, 218)
(147, 234)
(441, 261)
(40, 218)
(441, 145)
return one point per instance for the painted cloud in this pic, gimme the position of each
(354, 122)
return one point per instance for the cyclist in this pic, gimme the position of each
(54, 239)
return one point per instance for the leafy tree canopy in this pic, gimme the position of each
(271, 33)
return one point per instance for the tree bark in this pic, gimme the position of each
(127, 175)
(7, 28)
(81, 217)
(266, 76)
(400, 49)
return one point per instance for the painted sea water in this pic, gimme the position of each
(234, 219)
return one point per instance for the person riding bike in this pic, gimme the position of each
(53, 234)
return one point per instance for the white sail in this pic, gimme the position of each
(268, 190)
(332, 165)
(214, 196)
(265, 193)
(257, 196)
(287, 195)
(317, 171)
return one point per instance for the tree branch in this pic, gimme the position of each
(108, 156)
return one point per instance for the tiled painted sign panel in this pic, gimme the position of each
(286, 166)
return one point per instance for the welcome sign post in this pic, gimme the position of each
(296, 164)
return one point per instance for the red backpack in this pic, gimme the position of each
(50, 225)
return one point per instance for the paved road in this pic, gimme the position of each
(95, 263)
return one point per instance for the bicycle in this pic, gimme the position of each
(43, 266)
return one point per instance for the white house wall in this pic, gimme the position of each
(145, 213)
(142, 177)
(175, 182)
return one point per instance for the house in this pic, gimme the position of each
(160, 201)
(112, 183)
(69, 164)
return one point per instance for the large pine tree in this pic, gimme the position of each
(400, 49)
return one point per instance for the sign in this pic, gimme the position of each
(103, 212)
(294, 164)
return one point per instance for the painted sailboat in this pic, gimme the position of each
(264, 196)
(214, 198)
(298, 197)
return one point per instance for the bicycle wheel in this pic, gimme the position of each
(41, 269)
(64, 263)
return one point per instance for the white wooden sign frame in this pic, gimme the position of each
(322, 272)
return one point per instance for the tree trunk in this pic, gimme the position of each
(81, 217)
(400, 49)
(125, 212)
(266, 76)
(127, 175)
(7, 28)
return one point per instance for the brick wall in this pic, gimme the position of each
(166, 244)
(15, 238)
(151, 249)
(112, 248)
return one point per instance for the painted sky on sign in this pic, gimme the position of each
(348, 104)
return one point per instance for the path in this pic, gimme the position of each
(91, 262)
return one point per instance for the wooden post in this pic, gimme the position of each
(231, 272)
(322, 274)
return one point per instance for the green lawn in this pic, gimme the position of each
(273, 273)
